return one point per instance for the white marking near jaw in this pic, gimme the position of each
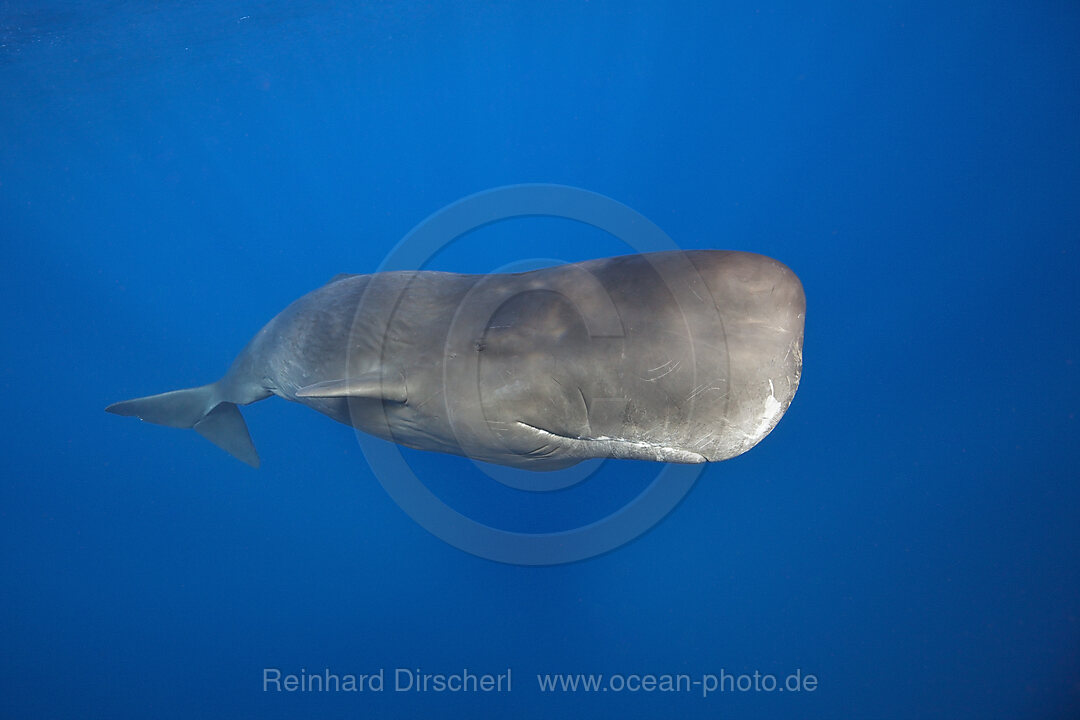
(768, 415)
(621, 448)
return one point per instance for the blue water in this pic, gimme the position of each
(173, 174)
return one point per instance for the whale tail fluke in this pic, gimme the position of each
(200, 408)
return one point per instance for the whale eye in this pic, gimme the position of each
(479, 345)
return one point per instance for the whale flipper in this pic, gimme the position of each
(369, 385)
(200, 408)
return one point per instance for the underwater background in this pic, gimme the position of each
(172, 174)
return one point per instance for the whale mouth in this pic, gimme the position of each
(609, 447)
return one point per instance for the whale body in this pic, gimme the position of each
(683, 356)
